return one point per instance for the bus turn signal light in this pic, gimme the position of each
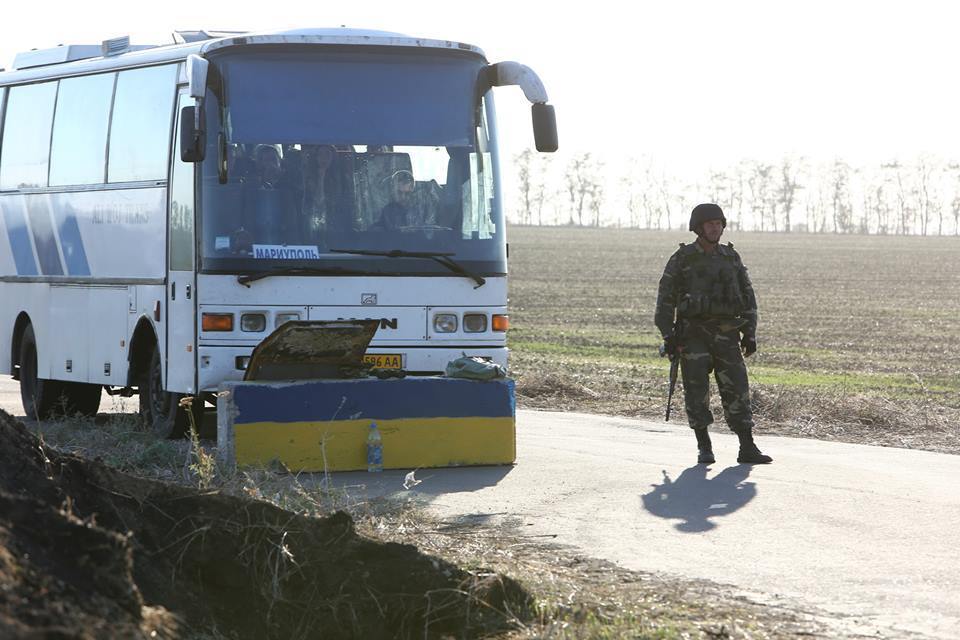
(501, 323)
(217, 322)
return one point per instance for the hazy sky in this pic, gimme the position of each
(693, 83)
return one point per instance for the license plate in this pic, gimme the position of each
(384, 360)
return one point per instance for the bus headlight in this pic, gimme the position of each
(281, 318)
(445, 323)
(254, 322)
(475, 322)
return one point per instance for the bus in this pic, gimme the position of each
(163, 209)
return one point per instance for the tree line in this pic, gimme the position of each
(920, 196)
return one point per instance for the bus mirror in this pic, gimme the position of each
(545, 127)
(197, 75)
(193, 141)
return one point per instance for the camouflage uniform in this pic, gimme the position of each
(712, 298)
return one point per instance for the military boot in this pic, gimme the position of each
(704, 447)
(749, 453)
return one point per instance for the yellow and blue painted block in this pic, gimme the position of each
(315, 425)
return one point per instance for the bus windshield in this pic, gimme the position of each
(372, 152)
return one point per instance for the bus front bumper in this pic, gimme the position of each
(218, 364)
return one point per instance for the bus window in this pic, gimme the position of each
(23, 162)
(181, 207)
(140, 131)
(79, 147)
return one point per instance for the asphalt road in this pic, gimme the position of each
(868, 534)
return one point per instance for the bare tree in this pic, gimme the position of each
(872, 199)
(791, 195)
(633, 185)
(737, 192)
(524, 162)
(879, 206)
(719, 189)
(666, 198)
(762, 199)
(925, 169)
(886, 201)
(786, 196)
(902, 187)
(841, 207)
(954, 169)
(816, 207)
(572, 184)
(542, 184)
(596, 201)
(583, 183)
(641, 187)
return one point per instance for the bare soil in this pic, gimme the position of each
(858, 335)
(87, 551)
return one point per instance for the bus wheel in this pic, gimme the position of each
(161, 410)
(80, 397)
(39, 397)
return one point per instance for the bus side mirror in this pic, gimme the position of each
(544, 127)
(193, 141)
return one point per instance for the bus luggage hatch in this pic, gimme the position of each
(313, 349)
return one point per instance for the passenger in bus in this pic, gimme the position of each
(398, 212)
(267, 162)
(269, 213)
(239, 165)
(291, 168)
(412, 204)
(321, 188)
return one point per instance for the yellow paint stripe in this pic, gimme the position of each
(408, 443)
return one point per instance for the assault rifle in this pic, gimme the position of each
(674, 366)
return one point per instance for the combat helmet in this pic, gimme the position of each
(704, 212)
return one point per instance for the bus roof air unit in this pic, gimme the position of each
(72, 52)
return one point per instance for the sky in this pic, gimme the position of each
(694, 84)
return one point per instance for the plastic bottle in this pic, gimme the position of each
(374, 449)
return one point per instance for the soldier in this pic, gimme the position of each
(704, 305)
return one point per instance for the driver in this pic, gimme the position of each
(398, 212)
(409, 204)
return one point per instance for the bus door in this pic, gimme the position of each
(181, 374)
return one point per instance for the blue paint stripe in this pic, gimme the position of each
(71, 242)
(18, 236)
(322, 400)
(43, 237)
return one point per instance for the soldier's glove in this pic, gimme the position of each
(749, 345)
(670, 346)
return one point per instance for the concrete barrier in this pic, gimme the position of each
(323, 424)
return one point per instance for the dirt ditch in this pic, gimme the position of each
(90, 552)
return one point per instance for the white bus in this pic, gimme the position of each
(164, 209)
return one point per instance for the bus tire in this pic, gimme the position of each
(160, 409)
(39, 397)
(80, 397)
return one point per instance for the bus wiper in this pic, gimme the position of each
(442, 258)
(246, 278)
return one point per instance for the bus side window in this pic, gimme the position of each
(140, 128)
(78, 152)
(29, 118)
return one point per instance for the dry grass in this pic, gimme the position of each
(579, 597)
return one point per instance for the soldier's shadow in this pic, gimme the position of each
(694, 499)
